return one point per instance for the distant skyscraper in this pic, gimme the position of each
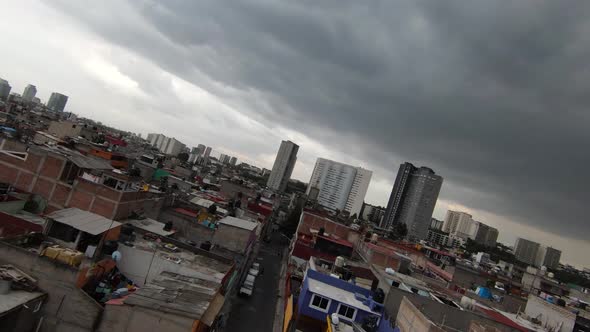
(526, 251)
(4, 90)
(57, 102)
(457, 222)
(547, 256)
(283, 166)
(233, 161)
(201, 149)
(412, 199)
(29, 93)
(339, 186)
(207, 152)
(436, 224)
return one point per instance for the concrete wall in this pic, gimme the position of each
(124, 318)
(63, 129)
(187, 227)
(67, 308)
(410, 319)
(233, 238)
(438, 312)
(550, 315)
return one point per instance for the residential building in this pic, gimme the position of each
(457, 222)
(436, 224)
(150, 137)
(233, 161)
(547, 256)
(57, 102)
(372, 213)
(29, 93)
(4, 90)
(283, 166)
(526, 251)
(200, 149)
(207, 152)
(323, 294)
(167, 145)
(340, 186)
(62, 129)
(485, 235)
(412, 199)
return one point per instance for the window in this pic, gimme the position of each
(319, 303)
(346, 312)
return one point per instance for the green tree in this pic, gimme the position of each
(183, 156)
(398, 232)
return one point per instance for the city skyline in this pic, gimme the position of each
(118, 83)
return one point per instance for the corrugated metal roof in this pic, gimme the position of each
(89, 162)
(240, 223)
(85, 221)
(178, 294)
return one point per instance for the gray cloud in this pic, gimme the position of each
(493, 96)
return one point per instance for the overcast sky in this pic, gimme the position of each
(492, 95)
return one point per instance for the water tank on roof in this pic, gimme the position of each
(467, 303)
(374, 238)
(335, 319)
(379, 295)
(551, 275)
(390, 271)
(339, 262)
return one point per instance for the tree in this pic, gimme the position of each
(183, 156)
(398, 231)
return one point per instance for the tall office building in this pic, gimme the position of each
(4, 90)
(283, 166)
(547, 256)
(57, 102)
(233, 161)
(457, 221)
(339, 186)
(485, 235)
(207, 152)
(526, 251)
(201, 149)
(29, 93)
(173, 147)
(412, 199)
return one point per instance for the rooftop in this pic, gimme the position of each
(150, 225)
(85, 221)
(338, 294)
(239, 223)
(16, 298)
(180, 295)
(207, 268)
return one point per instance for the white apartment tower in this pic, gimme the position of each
(30, 92)
(526, 251)
(283, 166)
(340, 186)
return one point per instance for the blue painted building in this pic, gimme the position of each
(323, 294)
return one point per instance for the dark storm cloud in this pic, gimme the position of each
(492, 95)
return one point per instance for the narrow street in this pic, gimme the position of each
(257, 312)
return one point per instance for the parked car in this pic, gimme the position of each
(248, 286)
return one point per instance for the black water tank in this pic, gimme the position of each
(109, 247)
(206, 245)
(379, 296)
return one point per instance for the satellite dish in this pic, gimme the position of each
(116, 255)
